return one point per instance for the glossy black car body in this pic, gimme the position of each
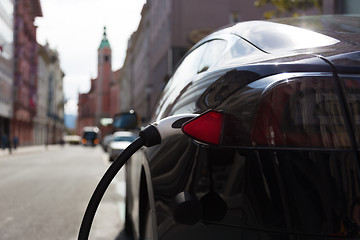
(288, 163)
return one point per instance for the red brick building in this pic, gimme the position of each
(115, 93)
(25, 69)
(102, 101)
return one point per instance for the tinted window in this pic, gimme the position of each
(124, 138)
(212, 53)
(190, 65)
(127, 120)
(241, 49)
(199, 60)
(90, 135)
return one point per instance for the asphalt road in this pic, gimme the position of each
(44, 193)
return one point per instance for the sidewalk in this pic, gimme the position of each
(28, 149)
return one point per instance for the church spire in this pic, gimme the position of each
(104, 41)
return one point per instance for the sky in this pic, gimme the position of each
(75, 29)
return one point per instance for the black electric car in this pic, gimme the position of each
(274, 153)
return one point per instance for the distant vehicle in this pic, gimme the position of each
(120, 141)
(125, 121)
(72, 139)
(91, 136)
(106, 141)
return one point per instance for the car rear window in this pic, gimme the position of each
(124, 138)
(90, 135)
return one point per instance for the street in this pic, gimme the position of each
(45, 191)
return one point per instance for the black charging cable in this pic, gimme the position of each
(149, 136)
(103, 185)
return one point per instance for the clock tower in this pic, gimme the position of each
(104, 79)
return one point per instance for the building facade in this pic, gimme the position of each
(49, 120)
(25, 70)
(140, 67)
(31, 81)
(115, 100)
(41, 119)
(6, 65)
(55, 109)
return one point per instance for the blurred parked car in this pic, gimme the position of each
(106, 141)
(120, 140)
(277, 157)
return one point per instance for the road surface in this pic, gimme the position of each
(44, 193)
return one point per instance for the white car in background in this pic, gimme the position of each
(120, 141)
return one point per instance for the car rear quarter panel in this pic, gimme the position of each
(275, 190)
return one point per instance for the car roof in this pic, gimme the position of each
(336, 26)
(291, 34)
(273, 37)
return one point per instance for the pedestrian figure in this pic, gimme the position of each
(8, 143)
(16, 142)
(3, 142)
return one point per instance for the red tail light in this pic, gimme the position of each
(206, 128)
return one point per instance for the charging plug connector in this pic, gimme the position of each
(154, 133)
